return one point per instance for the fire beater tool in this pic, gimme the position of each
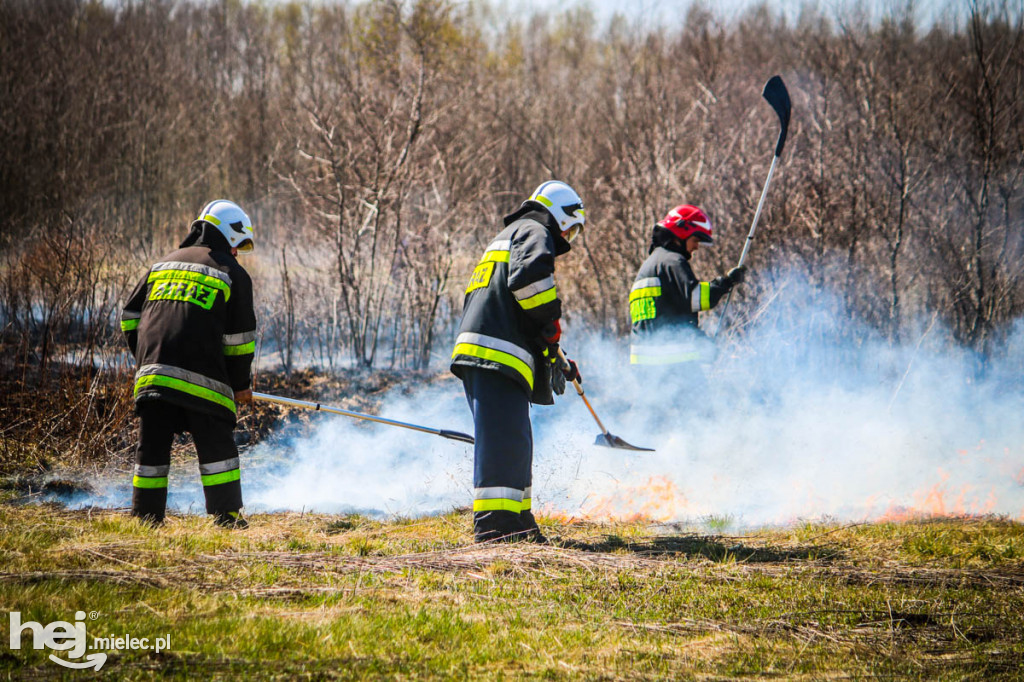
(292, 402)
(604, 438)
(778, 97)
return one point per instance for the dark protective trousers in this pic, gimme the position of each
(503, 453)
(215, 447)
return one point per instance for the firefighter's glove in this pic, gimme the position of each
(722, 282)
(557, 381)
(552, 332)
(572, 372)
(557, 378)
(737, 275)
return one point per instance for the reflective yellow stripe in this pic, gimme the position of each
(497, 505)
(147, 482)
(186, 376)
(542, 199)
(705, 296)
(184, 387)
(539, 299)
(210, 218)
(501, 357)
(129, 325)
(495, 257)
(242, 349)
(645, 292)
(527, 503)
(224, 477)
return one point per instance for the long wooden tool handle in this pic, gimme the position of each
(579, 392)
(592, 413)
(444, 433)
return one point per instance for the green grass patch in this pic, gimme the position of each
(329, 597)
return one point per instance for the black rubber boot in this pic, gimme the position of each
(231, 519)
(149, 504)
(153, 520)
(500, 526)
(529, 524)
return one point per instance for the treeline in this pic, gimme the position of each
(376, 146)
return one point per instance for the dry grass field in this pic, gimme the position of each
(347, 597)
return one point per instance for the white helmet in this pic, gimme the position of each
(232, 222)
(564, 204)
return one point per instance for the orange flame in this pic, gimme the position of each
(657, 499)
(938, 501)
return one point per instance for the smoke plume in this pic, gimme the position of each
(802, 417)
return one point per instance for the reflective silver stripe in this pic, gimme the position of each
(193, 267)
(646, 282)
(498, 494)
(150, 471)
(535, 288)
(528, 493)
(185, 375)
(499, 245)
(496, 344)
(239, 339)
(695, 300)
(218, 467)
(130, 315)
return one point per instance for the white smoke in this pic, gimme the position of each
(345, 465)
(798, 423)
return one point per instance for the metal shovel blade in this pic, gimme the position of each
(611, 441)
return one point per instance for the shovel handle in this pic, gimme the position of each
(579, 391)
(592, 413)
(609, 440)
(565, 365)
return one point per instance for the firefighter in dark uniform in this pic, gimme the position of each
(191, 326)
(506, 355)
(667, 298)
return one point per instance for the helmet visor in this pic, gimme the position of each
(572, 232)
(246, 246)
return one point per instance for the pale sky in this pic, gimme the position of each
(671, 13)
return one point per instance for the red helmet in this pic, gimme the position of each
(685, 221)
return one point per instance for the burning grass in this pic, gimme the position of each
(355, 598)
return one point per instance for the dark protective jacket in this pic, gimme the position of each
(191, 325)
(511, 296)
(663, 307)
